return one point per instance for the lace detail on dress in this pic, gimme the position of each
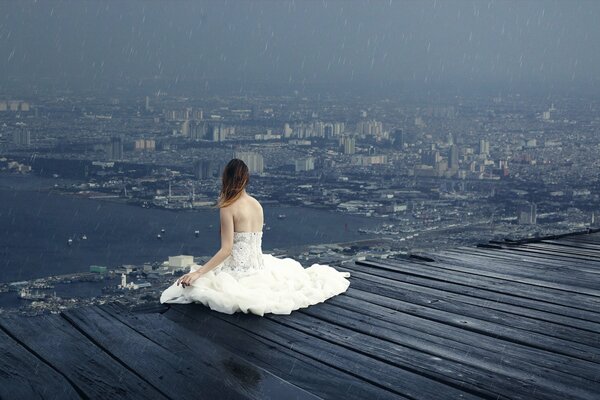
(246, 254)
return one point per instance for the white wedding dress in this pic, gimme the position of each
(253, 282)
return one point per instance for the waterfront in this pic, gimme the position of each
(36, 222)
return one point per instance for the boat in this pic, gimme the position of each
(84, 237)
(197, 233)
(281, 216)
(162, 230)
(158, 236)
(70, 241)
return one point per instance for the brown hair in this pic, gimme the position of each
(235, 178)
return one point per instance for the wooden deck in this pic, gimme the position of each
(504, 320)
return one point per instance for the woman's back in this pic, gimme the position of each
(247, 214)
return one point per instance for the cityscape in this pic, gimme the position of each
(399, 164)
(432, 176)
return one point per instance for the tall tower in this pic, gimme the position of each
(453, 157)
(116, 148)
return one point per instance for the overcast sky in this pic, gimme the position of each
(303, 41)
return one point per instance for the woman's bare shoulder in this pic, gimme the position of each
(255, 201)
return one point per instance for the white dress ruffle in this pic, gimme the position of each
(252, 282)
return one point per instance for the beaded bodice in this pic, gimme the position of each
(246, 254)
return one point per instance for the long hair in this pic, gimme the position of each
(235, 178)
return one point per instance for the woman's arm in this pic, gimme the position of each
(226, 241)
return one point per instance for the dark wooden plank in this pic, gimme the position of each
(318, 378)
(175, 375)
(567, 258)
(93, 372)
(384, 309)
(537, 321)
(491, 283)
(545, 276)
(464, 286)
(528, 338)
(593, 238)
(361, 364)
(475, 268)
(566, 243)
(592, 255)
(25, 376)
(513, 377)
(444, 369)
(538, 259)
(572, 244)
(254, 381)
(527, 261)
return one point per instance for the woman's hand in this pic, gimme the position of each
(189, 278)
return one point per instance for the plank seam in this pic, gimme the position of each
(77, 389)
(109, 353)
(311, 357)
(449, 382)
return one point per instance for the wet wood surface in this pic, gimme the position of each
(504, 320)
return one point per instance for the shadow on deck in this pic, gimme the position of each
(505, 320)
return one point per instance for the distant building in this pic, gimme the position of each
(220, 132)
(179, 262)
(528, 214)
(398, 139)
(116, 148)
(185, 128)
(431, 157)
(453, 157)
(206, 169)
(145, 145)
(22, 136)
(287, 130)
(305, 164)
(98, 269)
(369, 128)
(197, 130)
(253, 160)
(349, 144)
(484, 147)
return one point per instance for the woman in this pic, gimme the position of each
(239, 277)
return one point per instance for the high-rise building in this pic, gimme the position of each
(206, 169)
(197, 130)
(369, 128)
(220, 132)
(349, 143)
(305, 164)
(22, 136)
(528, 214)
(398, 139)
(338, 128)
(116, 148)
(484, 147)
(431, 157)
(145, 144)
(453, 157)
(185, 128)
(287, 130)
(253, 160)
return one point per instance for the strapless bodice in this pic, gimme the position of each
(246, 254)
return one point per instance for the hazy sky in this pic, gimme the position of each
(303, 41)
